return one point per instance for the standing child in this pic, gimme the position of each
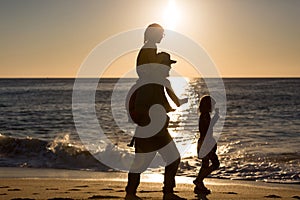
(206, 124)
(148, 55)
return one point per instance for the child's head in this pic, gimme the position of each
(153, 33)
(207, 104)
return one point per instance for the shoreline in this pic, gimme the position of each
(70, 174)
(28, 183)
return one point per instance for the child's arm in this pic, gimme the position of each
(215, 117)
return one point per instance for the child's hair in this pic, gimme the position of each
(152, 30)
(206, 103)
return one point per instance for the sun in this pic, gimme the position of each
(172, 15)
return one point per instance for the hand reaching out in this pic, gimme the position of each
(183, 101)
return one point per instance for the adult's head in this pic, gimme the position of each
(153, 33)
(165, 59)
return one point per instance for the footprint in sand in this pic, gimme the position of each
(273, 196)
(146, 191)
(103, 197)
(15, 189)
(107, 189)
(230, 193)
(51, 188)
(82, 186)
(74, 189)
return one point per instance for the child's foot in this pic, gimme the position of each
(200, 188)
(172, 196)
(132, 197)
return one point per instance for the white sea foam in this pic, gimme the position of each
(260, 140)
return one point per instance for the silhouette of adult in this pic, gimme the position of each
(153, 69)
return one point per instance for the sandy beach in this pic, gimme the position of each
(17, 183)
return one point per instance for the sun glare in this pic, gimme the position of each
(171, 15)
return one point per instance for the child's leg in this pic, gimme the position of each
(204, 172)
(200, 187)
(215, 162)
(203, 169)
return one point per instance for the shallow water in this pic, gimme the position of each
(259, 140)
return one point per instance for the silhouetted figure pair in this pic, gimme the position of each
(151, 135)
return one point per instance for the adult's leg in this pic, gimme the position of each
(140, 164)
(171, 156)
(133, 183)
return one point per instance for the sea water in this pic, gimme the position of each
(259, 140)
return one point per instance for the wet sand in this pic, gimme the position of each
(55, 185)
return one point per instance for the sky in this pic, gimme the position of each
(244, 38)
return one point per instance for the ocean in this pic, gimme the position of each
(259, 141)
